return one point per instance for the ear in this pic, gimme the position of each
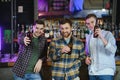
(96, 22)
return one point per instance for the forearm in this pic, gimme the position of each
(105, 42)
(109, 43)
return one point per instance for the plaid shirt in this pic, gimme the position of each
(66, 65)
(25, 54)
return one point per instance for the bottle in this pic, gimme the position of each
(95, 35)
(28, 32)
(55, 32)
(116, 30)
(82, 34)
(51, 32)
(74, 31)
(0, 55)
(78, 33)
(113, 29)
(47, 34)
(119, 30)
(22, 28)
(18, 29)
(70, 45)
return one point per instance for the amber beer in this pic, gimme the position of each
(70, 45)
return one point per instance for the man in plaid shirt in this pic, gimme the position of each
(66, 54)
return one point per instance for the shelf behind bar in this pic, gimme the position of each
(53, 13)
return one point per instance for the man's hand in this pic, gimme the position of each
(27, 41)
(88, 60)
(38, 66)
(98, 32)
(65, 49)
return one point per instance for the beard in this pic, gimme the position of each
(66, 34)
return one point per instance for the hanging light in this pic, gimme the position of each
(2, 0)
(103, 9)
(5, 0)
(107, 5)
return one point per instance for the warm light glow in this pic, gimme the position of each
(40, 14)
(103, 9)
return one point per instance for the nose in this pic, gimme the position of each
(91, 25)
(64, 30)
(41, 31)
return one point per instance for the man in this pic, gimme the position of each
(100, 50)
(66, 54)
(32, 53)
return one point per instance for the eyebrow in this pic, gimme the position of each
(89, 22)
(41, 28)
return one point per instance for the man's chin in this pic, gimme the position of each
(66, 36)
(37, 35)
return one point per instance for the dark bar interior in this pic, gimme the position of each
(17, 16)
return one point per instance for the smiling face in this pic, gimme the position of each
(65, 30)
(90, 23)
(38, 30)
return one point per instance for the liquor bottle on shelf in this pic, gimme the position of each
(0, 55)
(78, 33)
(113, 29)
(75, 31)
(47, 34)
(55, 32)
(22, 28)
(18, 29)
(86, 31)
(109, 26)
(82, 34)
(116, 32)
(58, 33)
(119, 30)
(51, 32)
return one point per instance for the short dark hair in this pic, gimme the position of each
(91, 15)
(39, 22)
(65, 20)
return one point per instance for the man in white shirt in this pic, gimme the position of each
(100, 51)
